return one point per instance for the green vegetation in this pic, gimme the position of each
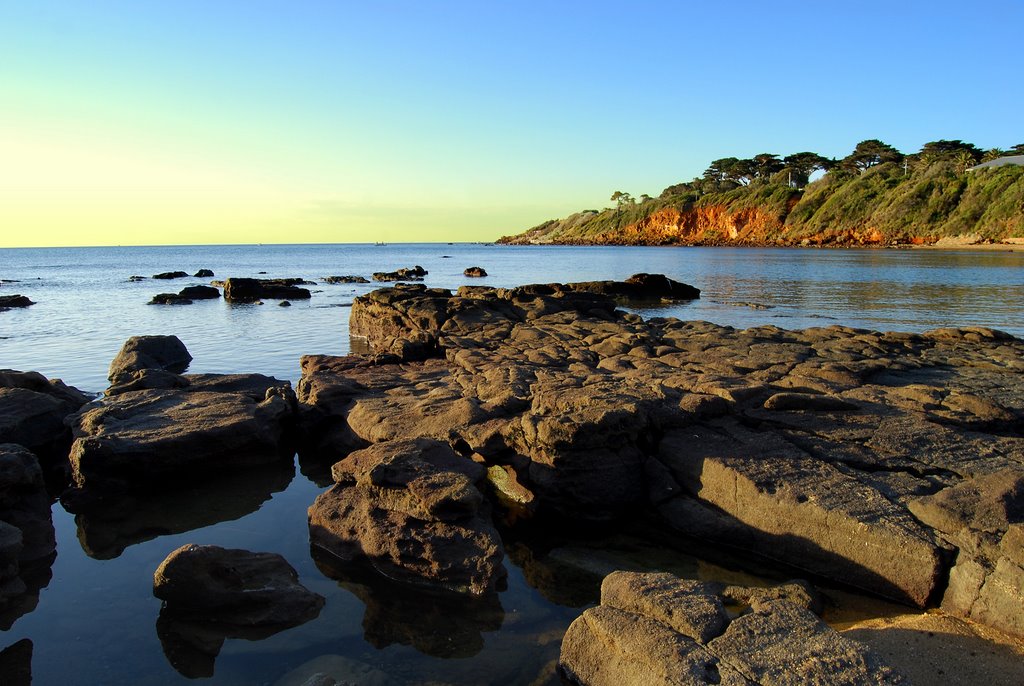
(875, 195)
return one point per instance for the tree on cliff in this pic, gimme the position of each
(1016, 150)
(802, 164)
(949, 149)
(869, 153)
(766, 164)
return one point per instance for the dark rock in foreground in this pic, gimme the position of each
(254, 290)
(640, 287)
(212, 593)
(156, 427)
(411, 509)
(12, 301)
(32, 413)
(405, 274)
(656, 628)
(227, 586)
(27, 540)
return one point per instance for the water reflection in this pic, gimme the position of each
(105, 531)
(16, 664)
(437, 624)
(192, 647)
(33, 576)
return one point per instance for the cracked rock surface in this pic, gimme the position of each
(810, 447)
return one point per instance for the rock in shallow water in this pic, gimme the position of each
(411, 509)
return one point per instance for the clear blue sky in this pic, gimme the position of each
(258, 121)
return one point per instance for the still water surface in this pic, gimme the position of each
(96, 621)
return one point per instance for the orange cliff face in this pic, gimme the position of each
(716, 225)
(708, 225)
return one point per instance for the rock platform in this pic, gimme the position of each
(808, 447)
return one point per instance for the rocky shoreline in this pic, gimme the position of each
(892, 463)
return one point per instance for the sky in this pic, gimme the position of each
(189, 122)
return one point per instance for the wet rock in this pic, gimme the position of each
(11, 301)
(170, 275)
(284, 303)
(655, 628)
(169, 299)
(203, 274)
(32, 413)
(135, 279)
(412, 509)
(235, 587)
(345, 279)
(253, 290)
(474, 272)
(199, 292)
(166, 353)
(404, 274)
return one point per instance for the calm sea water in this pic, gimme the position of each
(96, 619)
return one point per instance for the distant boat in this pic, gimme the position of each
(380, 243)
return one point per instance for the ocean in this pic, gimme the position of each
(97, 622)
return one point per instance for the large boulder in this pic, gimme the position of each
(412, 510)
(404, 274)
(640, 287)
(229, 586)
(148, 438)
(163, 353)
(211, 594)
(656, 628)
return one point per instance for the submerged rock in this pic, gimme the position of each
(345, 279)
(170, 275)
(413, 511)
(656, 628)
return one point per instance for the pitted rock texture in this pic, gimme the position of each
(804, 446)
(411, 509)
(656, 628)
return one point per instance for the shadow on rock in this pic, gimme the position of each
(105, 531)
(436, 623)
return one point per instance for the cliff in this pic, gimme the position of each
(882, 206)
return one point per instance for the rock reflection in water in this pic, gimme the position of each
(106, 531)
(437, 624)
(192, 646)
(16, 664)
